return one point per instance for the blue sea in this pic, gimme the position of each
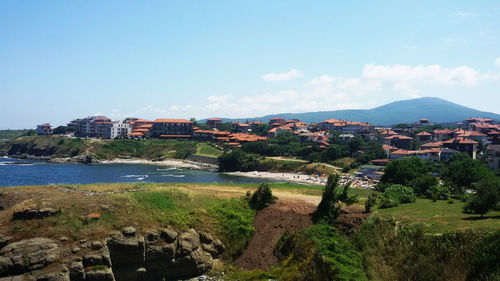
(16, 172)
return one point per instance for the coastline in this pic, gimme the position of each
(288, 177)
(186, 164)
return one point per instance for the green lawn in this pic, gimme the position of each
(205, 149)
(440, 216)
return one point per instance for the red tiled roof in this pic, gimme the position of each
(461, 140)
(175, 136)
(136, 134)
(401, 137)
(172, 121)
(432, 144)
(423, 134)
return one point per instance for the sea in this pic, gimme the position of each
(18, 172)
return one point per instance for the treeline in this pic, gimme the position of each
(288, 145)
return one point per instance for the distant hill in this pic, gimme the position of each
(406, 111)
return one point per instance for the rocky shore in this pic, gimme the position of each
(123, 256)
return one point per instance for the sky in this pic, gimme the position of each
(61, 60)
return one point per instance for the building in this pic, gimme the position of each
(474, 135)
(463, 145)
(44, 129)
(172, 128)
(86, 127)
(439, 135)
(277, 121)
(424, 137)
(214, 123)
(493, 156)
(398, 141)
(120, 129)
(103, 129)
(345, 127)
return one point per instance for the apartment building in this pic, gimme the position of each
(44, 129)
(172, 128)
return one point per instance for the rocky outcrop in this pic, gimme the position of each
(27, 255)
(160, 254)
(28, 210)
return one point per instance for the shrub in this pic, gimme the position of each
(331, 201)
(400, 193)
(485, 260)
(438, 192)
(485, 199)
(370, 202)
(262, 197)
(386, 202)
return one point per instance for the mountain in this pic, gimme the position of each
(405, 111)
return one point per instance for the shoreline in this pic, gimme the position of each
(287, 177)
(186, 164)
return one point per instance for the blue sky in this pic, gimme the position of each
(60, 60)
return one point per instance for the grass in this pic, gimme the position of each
(204, 149)
(439, 216)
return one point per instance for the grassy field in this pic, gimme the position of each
(205, 149)
(9, 134)
(441, 216)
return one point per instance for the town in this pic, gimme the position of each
(478, 137)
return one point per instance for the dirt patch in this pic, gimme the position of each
(270, 223)
(348, 222)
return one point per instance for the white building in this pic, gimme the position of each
(120, 129)
(44, 129)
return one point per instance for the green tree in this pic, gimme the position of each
(370, 202)
(404, 171)
(355, 144)
(486, 197)
(461, 172)
(261, 129)
(331, 202)
(262, 197)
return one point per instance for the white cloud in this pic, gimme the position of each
(404, 75)
(465, 15)
(294, 73)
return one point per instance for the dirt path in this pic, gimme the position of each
(270, 223)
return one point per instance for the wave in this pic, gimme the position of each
(173, 176)
(135, 176)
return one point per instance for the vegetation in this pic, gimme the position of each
(332, 200)
(486, 197)
(11, 134)
(262, 197)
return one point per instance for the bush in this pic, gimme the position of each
(262, 198)
(332, 199)
(485, 260)
(422, 183)
(438, 192)
(486, 197)
(370, 202)
(387, 203)
(400, 193)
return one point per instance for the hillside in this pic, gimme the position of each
(405, 111)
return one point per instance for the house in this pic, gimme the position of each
(400, 153)
(103, 129)
(277, 120)
(243, 128)
(346, 127)
(463, 145)
(439, 135)
(421, 123)
(388, 149)
(86, 127)
(493, 156)
(446, 153)
(346, 137)
(399, 141)
(274, 132)
(429, 145)
(474, 135)
(431, 153)
(424, 137)
(172, 128)
(214, 123)
(44, 129)
(120, 129)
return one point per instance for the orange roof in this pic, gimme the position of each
(432, 144)
(388, 147)
(401, 137)
(145, 126)
(423, 134)
(387, 132)
(401, 152)
(331, 121)
(273, 130)
(136, 134)
(461, 140)
(175, 136)
(172, 121)
(472, 134)
(141, 130)
(214, 119)
(443, 132)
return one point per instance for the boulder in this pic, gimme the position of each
(100, 274)
(168, 234)
(62, 276)
(27, 255)
(188, 242)
(76, 272)
(126, 249)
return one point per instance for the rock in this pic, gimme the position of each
(54, 277)
(28, 210)
(96, 245)
(99, 274)
(64, 239)
(206, 237)
(76, 271)
(96, 259)
(126, 250)
(188, 242)
(168, 234)
(4, 241)
(152, 236)
(75, 250)
(27, 255)
(129, 231)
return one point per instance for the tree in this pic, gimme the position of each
(404, 171)
(261, 129)
(370, 202)
(461, 172)
(238, 160)
(486, 198)
(262, 197)
(331, 202)
(422, 183)
(356, 143)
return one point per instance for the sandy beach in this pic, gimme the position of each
(168, 162)
(289, 177)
